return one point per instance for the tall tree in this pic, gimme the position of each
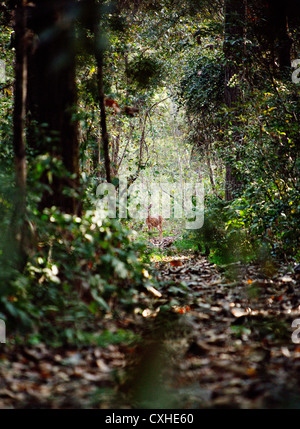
(52, 93)
(99, 55)
(94, 17)
(233, 50)
(20, 100)
(18, 221)
(271, 23)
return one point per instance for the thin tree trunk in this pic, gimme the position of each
(105, 137)
(284, 43)
(233, 50)
(94, 22)
(211, 173)
(20, 100)
(18, 220)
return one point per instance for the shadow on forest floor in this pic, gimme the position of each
(229, 346)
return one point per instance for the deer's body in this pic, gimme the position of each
(154, 222)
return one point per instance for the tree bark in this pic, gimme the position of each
(234, 51)
(20, 101)
(52, 95)
(279, 14)
(105, 137)
(91, 19)
(18, 220)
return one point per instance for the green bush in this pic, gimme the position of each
(79, 269)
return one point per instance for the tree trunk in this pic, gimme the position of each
(52, 95)
(234, 51)
(20, 100)
(284, 43)
(91, 19)
(18, 220)
(105, 138)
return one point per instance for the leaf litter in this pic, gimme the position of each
(227, 344)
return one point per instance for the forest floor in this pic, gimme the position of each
(229, 346)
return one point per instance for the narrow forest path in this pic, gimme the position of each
(238, 350)
(229, 346)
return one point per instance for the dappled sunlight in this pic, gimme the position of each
(150, 207)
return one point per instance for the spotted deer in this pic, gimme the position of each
(154, 222)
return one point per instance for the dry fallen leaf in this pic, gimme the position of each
(239, 312)
(176, 263)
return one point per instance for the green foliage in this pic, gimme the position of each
(202, 88)
(223, 236)
(249, 228)
(259, 139)
(266, 162)
(145, 71)
(81, 269)
(261, 328)
(187, 243)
